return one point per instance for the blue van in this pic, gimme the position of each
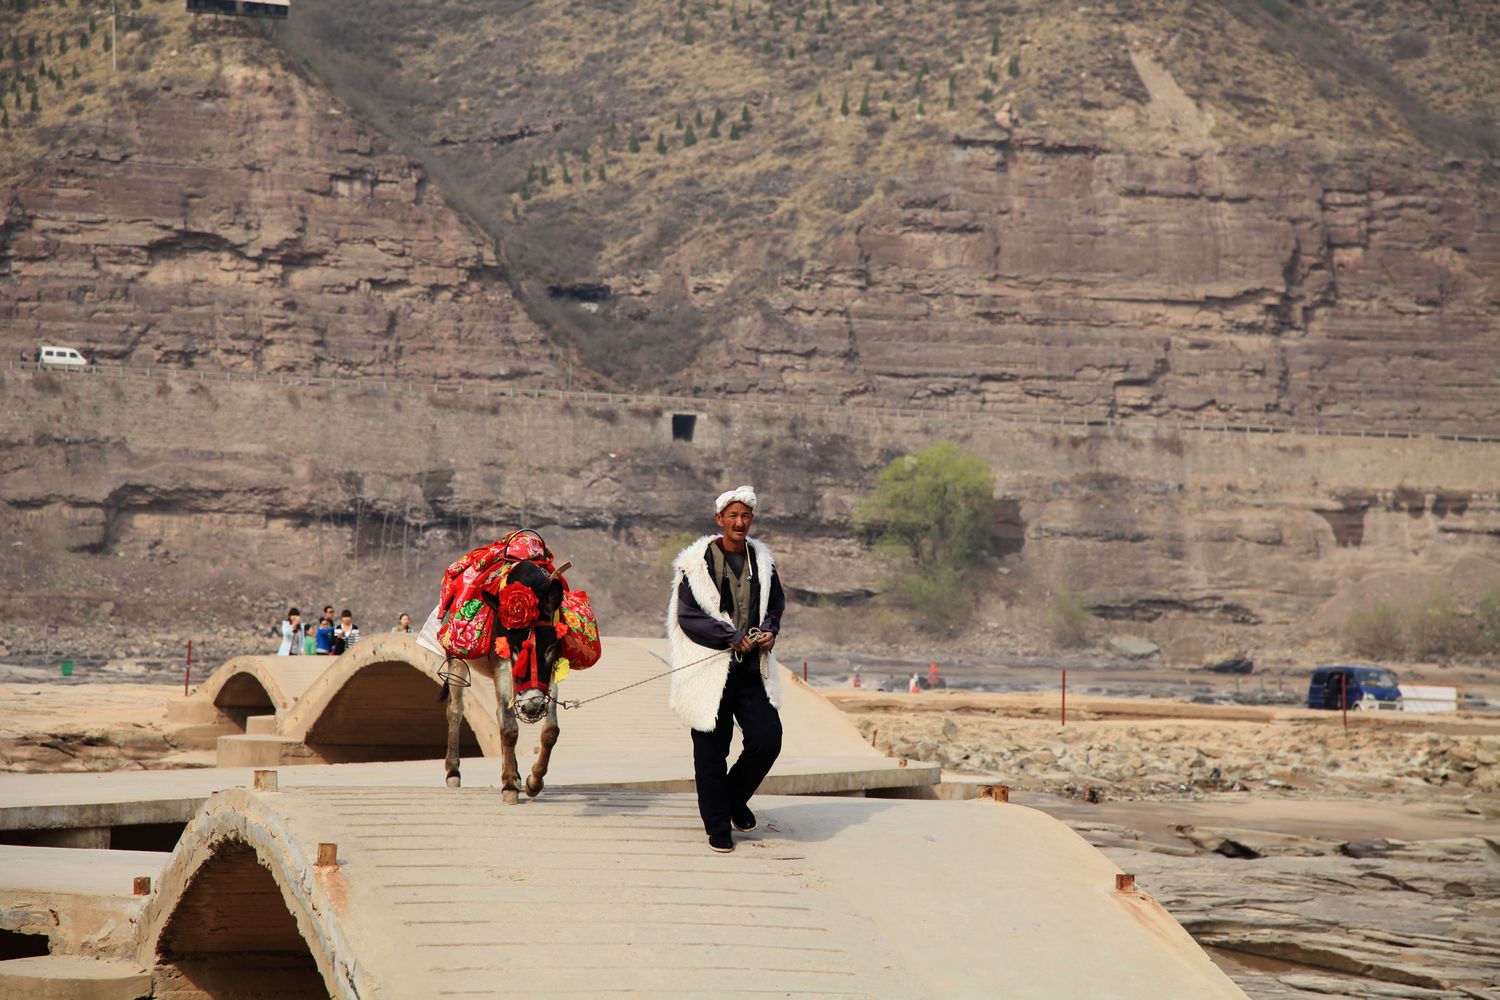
(1368, 688)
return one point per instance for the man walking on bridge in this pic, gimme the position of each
(726, 597)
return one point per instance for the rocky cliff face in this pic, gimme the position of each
(1263, 212)
(1137, 243)
(170, 502)
(1032, 272)
(232, 217)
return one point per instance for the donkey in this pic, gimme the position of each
(523, 684)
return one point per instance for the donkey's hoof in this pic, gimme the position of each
(534, 787)
(511, 796)
(454, 780)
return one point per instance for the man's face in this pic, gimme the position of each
(735, 520)
(328, 612)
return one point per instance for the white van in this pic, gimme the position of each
(59, 356)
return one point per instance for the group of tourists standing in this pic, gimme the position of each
(329, 636)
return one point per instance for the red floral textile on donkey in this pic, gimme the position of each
(468, 628)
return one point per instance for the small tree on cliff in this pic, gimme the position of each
(931, 519)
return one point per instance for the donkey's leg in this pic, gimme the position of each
(510, 730)
(455, 723)
(535, 781)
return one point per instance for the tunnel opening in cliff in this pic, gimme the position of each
(386, 711)
(232, 937)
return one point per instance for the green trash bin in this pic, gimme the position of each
(67, 668)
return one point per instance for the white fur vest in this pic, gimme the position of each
(696, 691)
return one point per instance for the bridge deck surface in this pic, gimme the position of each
(613, 892)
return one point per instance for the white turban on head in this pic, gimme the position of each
(744, 494)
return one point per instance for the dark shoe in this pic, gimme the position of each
(743, 819)
(722, 842)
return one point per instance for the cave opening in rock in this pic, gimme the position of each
(231, 937)
(683, 425)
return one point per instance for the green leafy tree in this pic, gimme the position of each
(713, 129)
(931, 518)
(995, 42)
(588, 175)
(1013, 68)
(602, 175)
(690, 138)
(864, 102)
(36, 104)
(878, 66)
(894, 116)
(634, 145)
(698, 117)
(4, 119)
(734, 130)
(744, 114)
(661, 143)
(83, 40)
(680, 122)
(819, 99)
(844, 104)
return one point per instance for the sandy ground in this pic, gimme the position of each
(1251, 823)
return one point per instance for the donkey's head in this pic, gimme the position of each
(534, 644)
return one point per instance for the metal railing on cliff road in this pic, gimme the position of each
(1030, 416)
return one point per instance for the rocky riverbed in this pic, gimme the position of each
(1311, 860)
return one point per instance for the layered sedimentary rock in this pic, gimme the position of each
(1077, 275)
(149, 498)
(238, 220)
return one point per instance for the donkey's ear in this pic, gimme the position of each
(552, 598)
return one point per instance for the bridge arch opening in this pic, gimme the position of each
(231, 937)
(242, 696)
(386, 711)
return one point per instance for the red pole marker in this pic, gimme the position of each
(187, 669)
(1065, 699)
(1344, 697)
(804, 671)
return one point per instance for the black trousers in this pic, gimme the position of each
(720, 791)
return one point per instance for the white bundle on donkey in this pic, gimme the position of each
(506, 612)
